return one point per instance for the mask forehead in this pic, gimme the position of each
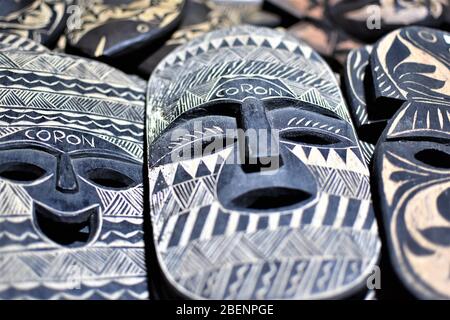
(60, 140)
(228, 64)
(71, 124)
(72, 94)
(420, 121)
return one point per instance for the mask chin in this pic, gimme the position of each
(68, 229)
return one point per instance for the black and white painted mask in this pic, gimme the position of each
(71, 189)
(42, 21)
(224, 228)
(411, 79)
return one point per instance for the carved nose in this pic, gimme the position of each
(259, 145)
(66, 179)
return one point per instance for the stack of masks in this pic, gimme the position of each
(259, 173)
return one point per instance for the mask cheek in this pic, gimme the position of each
(21, 200)
(115, 202)
(429, 230)
(41, 191)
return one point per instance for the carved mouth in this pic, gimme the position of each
(69, 229)
(269, 199)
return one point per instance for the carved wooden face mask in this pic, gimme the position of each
(412, 159)
(226, 228)
(70, 179)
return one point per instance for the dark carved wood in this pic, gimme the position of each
(354, 83)
(203, 16)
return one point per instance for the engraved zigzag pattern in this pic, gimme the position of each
(45, 268)
(65, 66)
(305, 261)
(60, 102)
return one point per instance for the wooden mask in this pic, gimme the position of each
(70, 179)
(410, 69)
(226, 229)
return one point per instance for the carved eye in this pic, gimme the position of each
(110, 178)
(434, 158)
(21, 172)
(317, 139)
